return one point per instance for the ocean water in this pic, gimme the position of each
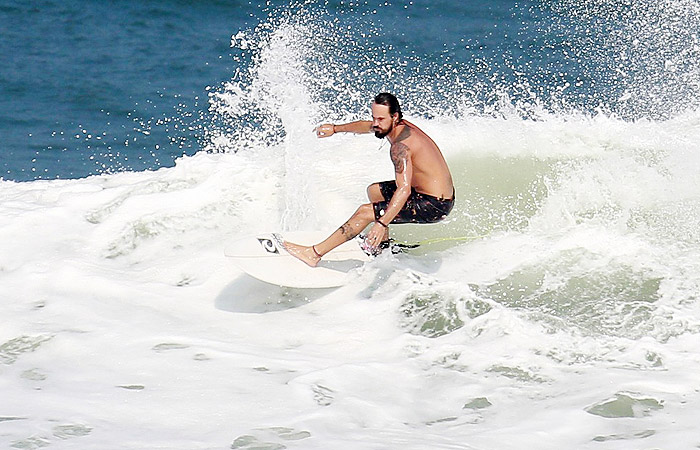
(558, 308)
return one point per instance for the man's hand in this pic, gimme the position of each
(374, 238)
(325, 130)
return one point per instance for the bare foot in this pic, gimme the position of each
(305, 254)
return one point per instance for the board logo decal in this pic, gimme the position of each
(269, 245)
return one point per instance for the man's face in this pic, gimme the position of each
(382, 120)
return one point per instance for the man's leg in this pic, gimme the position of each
(374, 193)
(354, 226)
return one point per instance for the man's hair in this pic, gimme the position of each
(389, 100)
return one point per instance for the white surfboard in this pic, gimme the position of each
(263, 256)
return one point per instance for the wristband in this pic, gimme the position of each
(382, 223)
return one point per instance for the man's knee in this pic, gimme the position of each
(365, 212)
(374, 193)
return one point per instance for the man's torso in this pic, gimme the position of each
(431, 174)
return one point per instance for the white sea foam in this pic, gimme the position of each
(570, 325)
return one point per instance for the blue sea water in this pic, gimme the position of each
(94, 87)
(100, 87)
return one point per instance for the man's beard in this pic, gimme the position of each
(381, 135)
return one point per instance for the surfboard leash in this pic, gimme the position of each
(411, 245)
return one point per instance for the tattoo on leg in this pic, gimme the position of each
(347, 231)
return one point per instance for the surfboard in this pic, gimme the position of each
(264, 257)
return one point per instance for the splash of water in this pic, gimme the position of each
(632, 58)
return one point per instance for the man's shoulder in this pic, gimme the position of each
(416, 139)
(406, 133)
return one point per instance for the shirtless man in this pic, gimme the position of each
(423, 191)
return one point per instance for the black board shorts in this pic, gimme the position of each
(419, 208)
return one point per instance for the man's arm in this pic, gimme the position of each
(400, 156)
(357, 127)
(404, 173)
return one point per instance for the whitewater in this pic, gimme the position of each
(558, 308)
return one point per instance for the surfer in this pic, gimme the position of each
(422, 192)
